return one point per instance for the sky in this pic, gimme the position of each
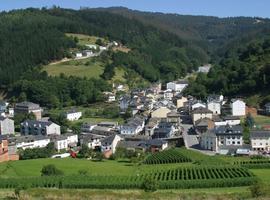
(220, 8)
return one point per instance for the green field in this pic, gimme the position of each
(86, 39)
(174, 175)
(261, 120)
(89, 67)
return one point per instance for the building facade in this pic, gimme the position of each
(6, 126)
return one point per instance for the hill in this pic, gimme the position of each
(206, 31)
(243, 71)
(157, 47)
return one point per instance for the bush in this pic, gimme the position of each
(51, 170)
(149, 184)
(256, 190)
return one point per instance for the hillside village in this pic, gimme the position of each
(157, 119)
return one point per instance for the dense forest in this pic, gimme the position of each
(163, 47)
(244, 71)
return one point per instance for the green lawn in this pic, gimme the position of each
(262, 120)
(86, 39)
(263, 175)
(69, 166)
(89, 67)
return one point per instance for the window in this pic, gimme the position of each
(238, 142)
(228, 137)
(233, 142)
(233, 137)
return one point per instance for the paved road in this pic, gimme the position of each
(190, 140)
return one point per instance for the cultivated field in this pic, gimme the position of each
(203, 171)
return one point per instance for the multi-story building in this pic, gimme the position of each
(33, 127)
(28, 107)
(222, 136)
(260, 140)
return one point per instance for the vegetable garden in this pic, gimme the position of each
(165, 157)
(190, 177)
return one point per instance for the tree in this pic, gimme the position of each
(99, 42)
(51, 170)
(149, 184)
(84, 151)
(249, 121)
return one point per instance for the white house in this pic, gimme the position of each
(63, 142)
(87, 53)
(177, 86)
(133, 126)
(109, 144)
(79, 55)
(29, 142)
(228, 120)
(214, 106)
(260, 140)
(6, 126)
(73, 115)
(168, 94)
(201, 113)
(92, 141)
(197, 104)
(111, 98)
(238, 107)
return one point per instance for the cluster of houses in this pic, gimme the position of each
(157, 116)
(91, 49)
(217, 123)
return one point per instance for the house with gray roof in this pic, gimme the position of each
(260, 140)
(133, 126)
(34, 127)
(109, 144)
(222, 136)
(28, 107)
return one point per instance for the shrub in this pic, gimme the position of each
(51, 170)
(256, 189)
(149, 184)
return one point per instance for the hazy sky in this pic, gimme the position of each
(221, 8)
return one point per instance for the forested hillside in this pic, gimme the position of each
(31, 37)
(244, 71)
(163, 47)
(212, 33)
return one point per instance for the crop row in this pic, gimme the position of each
(259, 163)
(168, 156)
(166, 179)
